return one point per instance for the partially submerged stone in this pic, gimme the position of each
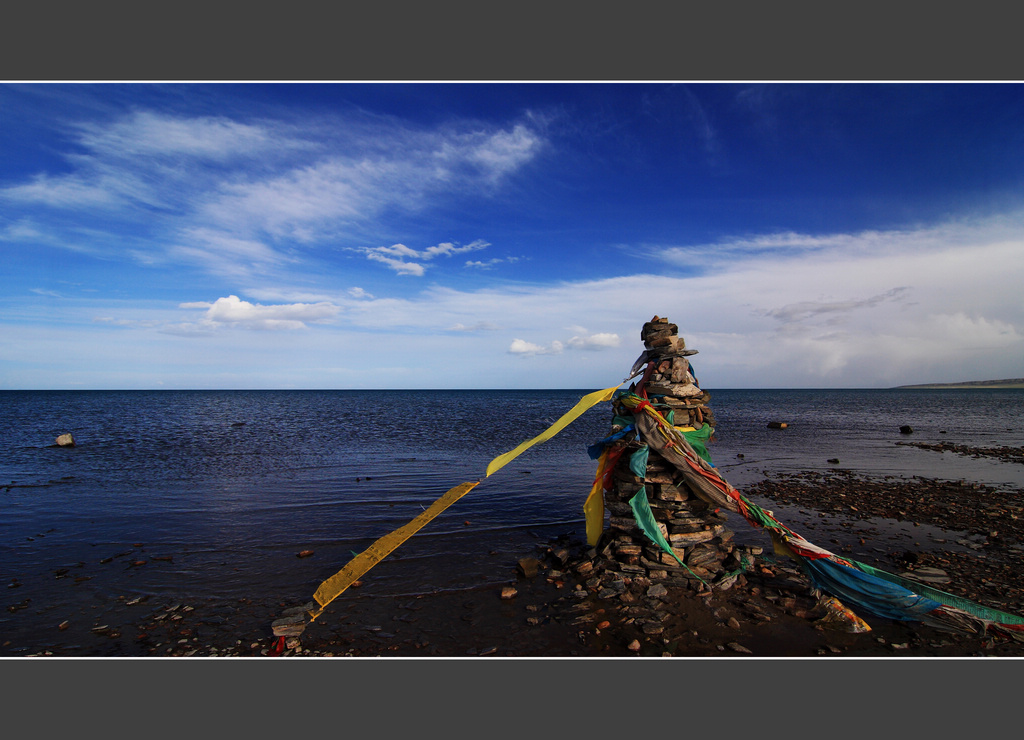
(528, 567)
(289, 626)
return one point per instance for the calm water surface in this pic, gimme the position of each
(230, 485)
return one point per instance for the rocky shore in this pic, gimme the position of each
(562, 600)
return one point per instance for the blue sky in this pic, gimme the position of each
(504, 235)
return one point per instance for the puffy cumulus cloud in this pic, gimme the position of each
(604, 340)
(232, 311)
(408, 261)
(522, 347)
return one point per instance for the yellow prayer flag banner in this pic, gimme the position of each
(585, 403)
(593, 507)
(334, 586)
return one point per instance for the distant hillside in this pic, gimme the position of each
(1010, 383)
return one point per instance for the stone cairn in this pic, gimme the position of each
(695, 530)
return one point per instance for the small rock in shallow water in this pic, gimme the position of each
(528, 567)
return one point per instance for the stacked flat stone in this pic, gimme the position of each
(696, 532)
(672, 385)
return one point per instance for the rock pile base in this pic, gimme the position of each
(696, 531)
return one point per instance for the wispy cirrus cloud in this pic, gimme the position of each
(491, 263)
(148, 133)
(478, 326)
(217, 192)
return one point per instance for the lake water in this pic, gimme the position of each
(218, 490)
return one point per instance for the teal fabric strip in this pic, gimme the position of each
(978, 610)
(638, 462)
(645, 518)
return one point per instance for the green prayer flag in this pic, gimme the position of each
(645, 518)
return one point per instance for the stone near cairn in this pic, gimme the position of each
(696, 530)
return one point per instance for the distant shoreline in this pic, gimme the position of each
(1010, 383)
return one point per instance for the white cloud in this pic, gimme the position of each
(232, 311)
(131, 323)
(856, 310)
(478, 326)
(447, 249)
(398, 256)
(225, 254)
(68, 191)
(264, 188)
(522, 347)
(397, 264)
(44, 292)
(602, 340)
(494, 154)
(909, 312)
(21, 230)
(482, 265)
(143, 133)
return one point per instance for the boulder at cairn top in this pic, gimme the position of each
(66, 440)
